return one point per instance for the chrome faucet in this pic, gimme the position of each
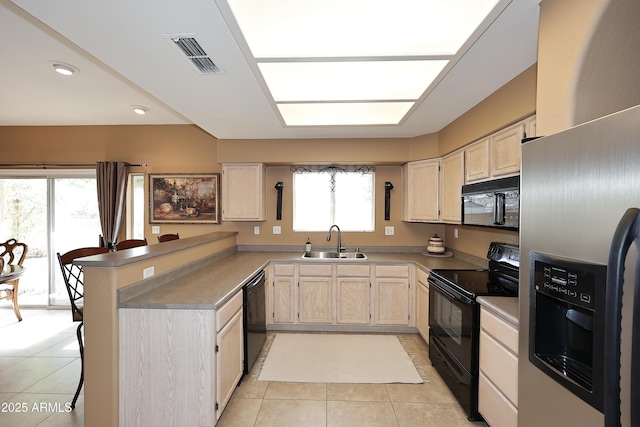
(340, 248)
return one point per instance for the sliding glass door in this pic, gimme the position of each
(50, 211)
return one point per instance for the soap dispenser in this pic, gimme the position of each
(307, 246)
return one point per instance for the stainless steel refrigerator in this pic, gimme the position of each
(576, 188)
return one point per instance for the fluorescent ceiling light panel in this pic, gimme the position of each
(353, 80)
(344, 114)
(345, 28)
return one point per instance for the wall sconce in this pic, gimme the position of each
(279, 187)
(387, 200)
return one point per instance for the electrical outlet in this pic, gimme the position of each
(155, 229)
(455, 233)
(256, 229)
(148, 272)
(277, 229)
(389, 230)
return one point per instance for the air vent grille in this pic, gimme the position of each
(196, 55)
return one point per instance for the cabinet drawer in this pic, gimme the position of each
(226, 312)
(392, 271)
(494, 407)
(315, 270)
(500, 365)
(422, 277)
(283, 269)
(353, 270)
(503, 332)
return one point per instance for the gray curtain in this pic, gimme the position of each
(112, 188)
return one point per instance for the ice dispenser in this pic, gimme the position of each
(566, 336)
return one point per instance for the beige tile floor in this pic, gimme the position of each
(260, 403)
(40, 367)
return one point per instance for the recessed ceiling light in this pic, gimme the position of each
(64, 69)
(139, 109)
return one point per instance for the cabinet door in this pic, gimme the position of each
(451, 194)
(391, 301)
(421, 192)
(314, 300)
(422, 312)
(229, 358)
(243, 192)
(283, 299)
(477, 161)
(505, 151)
(353, 301)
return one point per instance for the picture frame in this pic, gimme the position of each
(184, 198)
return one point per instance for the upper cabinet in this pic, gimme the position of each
(497, 155)
(452, 174)
(477, 161)
(505, 151)
(420, 191)
(243, 192)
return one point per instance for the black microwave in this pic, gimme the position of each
(494, 203)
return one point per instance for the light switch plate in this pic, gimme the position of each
(455, 233)
(155, 229)
(148, 272)
(277, 229)
(389, 230)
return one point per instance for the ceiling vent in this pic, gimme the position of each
(195, 53)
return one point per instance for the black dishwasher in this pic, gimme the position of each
(255, 320)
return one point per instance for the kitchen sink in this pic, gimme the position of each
(333, 255)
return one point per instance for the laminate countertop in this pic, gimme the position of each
(213, 283)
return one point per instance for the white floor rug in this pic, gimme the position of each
(338, 358)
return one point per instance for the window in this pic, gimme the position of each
(333, 196)
(135, 207)
(51, 211)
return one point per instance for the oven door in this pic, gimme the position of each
(453, 318)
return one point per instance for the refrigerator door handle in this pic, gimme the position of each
(626, 233)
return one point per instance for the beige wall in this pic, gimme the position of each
(188, 149)
(588, 64)
(511, 103)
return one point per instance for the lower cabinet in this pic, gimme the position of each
(357, 294)
(498, 381)
(166, 351)
(422, 304)
(391, 295)
(282, 295)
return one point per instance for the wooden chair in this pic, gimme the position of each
(74, 282)
(131, 243)
(167, 237)
(12, 253)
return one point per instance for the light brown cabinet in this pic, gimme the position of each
(477, 161)
(420, 183)
(391, 298)
(211, 340)
(498, 381)
(422, 304)
(243, 192)
(452, 175)
(353, 295)
(505, 151)
(282, 296)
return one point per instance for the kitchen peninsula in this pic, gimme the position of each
(197, 274)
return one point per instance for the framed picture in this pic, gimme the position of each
(184, 198)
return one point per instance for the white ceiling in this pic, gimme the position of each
(124, 57)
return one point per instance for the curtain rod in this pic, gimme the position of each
(59, 165)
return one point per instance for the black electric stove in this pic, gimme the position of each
(454, 319)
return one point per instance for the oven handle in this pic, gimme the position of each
(452, 294)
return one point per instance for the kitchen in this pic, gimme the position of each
(550, 90)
